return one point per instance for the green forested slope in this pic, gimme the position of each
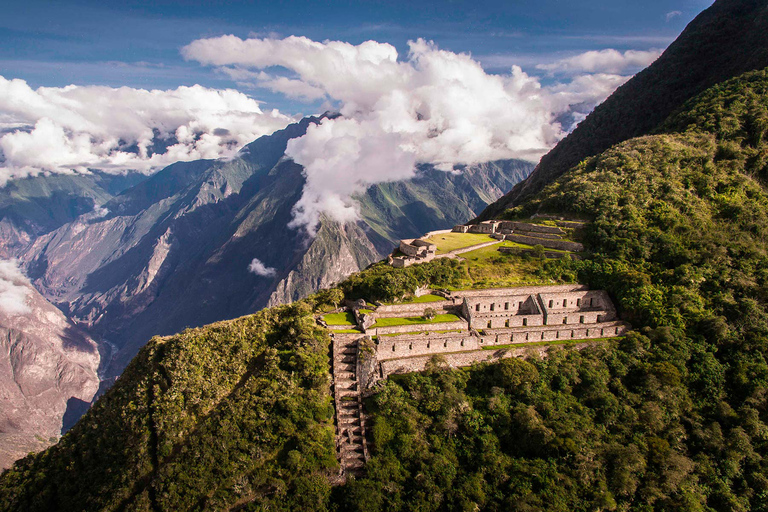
(675, 416)
(724, 41)
(236, 412)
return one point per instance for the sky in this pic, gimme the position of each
(137, 85)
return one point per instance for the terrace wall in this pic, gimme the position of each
(438, 326)
(410, 310)
(560, 245)
(397, 347)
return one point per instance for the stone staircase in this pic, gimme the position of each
(350, 421)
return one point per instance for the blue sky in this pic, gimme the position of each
(136, 43)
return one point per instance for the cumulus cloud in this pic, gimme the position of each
(14, 288)
(432, 106)
(673, 14)
(73, 129)
(603, 61)
(258, 268)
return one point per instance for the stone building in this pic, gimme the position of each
(415, 251)
(549, 307)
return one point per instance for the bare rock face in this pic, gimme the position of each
(336, 252)
(48, 369)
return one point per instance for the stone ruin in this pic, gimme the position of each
(550, 237)
(491, 324)
(415, 250)
(486, 319)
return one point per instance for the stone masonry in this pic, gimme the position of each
(508, 318)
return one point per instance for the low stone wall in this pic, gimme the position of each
(522, 290)
(525, 226)
(473, 247)
(341, 327)
(547, 254)
(439, 326)
(490, 337)
(460, 359)
(547, 236)
(409, 310)
(561, 245)
(396, 347)
(438, 232)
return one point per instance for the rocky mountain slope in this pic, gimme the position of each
(193, 229)
(724, 41)
(48, 373)
(34, 206)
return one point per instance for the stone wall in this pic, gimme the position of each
(438, 326)
(547, 254)
(560, 245)
(461, 359)
(536, 228)
(410, 310)
(397, 347)
(522, 290)
(490, 337)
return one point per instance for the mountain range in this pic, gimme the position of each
(129, 257)
(670, 185)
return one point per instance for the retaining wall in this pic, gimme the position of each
(460, 359)
(396, 347)
(408, 310)
(524, 226)
(439, 326)
(490, 337)
(561, 245)
(522, 290)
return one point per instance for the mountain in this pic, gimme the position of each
(34, 206)
(192, 230)
(48, 374)
(722, 42)
(674, 416)
(238, 414)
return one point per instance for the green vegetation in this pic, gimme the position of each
(673, 417)
(344, 318)
(416, 320)
(232, 413)
(347, 331)
(448, 242)
(422, 299)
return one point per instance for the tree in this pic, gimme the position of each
(429, 313)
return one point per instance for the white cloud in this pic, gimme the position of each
(672, 14)
(73, 129)
(603, 61)
(433, 106)
(14, 288)
(258, 268)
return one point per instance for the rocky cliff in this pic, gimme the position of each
(48, 372)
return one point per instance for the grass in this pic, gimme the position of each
(414, 320)
(420, 300)
(345, 318)
(366, 311)
(448, 242)
(348, 331)
(553, 342)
